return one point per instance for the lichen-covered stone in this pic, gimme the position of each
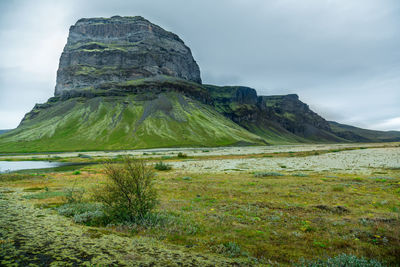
(117, 49)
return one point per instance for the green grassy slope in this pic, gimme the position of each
(124, 122)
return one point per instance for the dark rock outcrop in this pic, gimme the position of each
(118, 49)
(265, 113)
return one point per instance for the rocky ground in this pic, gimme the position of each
(361, 161)
(203, 151)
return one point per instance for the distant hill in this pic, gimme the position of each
(363, 135)
(125, 83)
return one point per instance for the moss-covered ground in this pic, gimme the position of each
(216, 218)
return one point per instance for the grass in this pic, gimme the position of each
(287, 219)
(45, 195)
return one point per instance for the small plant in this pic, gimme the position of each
(300, 175)
(229, 248)
(306, 227)
(267, 174)
(129, 193)
(74, 195)
(83, 156)
(338, 188)
(182, 155)
(84, 213)
(319, 244)
(161, 166)
(341, 260)
(76, 173)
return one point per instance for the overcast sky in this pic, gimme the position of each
(342, 57)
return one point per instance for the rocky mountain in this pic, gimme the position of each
(120, 49)
(125, 83)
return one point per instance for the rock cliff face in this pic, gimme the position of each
(120, 49)
(261, 114)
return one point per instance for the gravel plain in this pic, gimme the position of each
(363, 161)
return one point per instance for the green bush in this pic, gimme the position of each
(161, 166)
(182, 155)
(128, 193)
(73, 194)
(85, 213)
(342, 260)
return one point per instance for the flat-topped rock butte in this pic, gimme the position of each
(116, 49)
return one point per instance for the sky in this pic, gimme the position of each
(341, 57)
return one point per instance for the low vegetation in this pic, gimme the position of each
(161, 166)
(295, 217)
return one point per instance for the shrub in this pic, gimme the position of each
(266, 174)
(85, 213)
(129, 192)
(300, 175)
(182, 155)
(90, 217)
(161, 166)
(338, 188)
(83, 156)
(76, 173)
(72, 209)
(342, 260)
(229, 248)
(73, 194)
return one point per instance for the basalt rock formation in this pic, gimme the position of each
(125, 83)
(118, 49)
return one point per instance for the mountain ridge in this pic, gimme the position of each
(125, 83)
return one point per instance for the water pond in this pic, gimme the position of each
(11, 166)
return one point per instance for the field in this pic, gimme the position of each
(232, 206)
